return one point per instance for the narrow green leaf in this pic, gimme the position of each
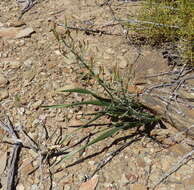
(85, 91)
(98, 115)
(96, 140)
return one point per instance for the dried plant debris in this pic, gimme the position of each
(27, 5)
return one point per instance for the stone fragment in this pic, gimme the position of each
(128, 178)
(189, 181)
(3, 81)
(3, 94)
(3, 162)
(26, 167)
(179, 187)
(20, 186)
(123, 62)
(133, 89)
(179, 150)
(90, 184)
(14, 64)
(15, 33)
(37, 104)
(29, 76)
(3, 183)
(140, 162)
(28, 63)
(34, 187)
(138, 187)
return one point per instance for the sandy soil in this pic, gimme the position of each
(32, 69)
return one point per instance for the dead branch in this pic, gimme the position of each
(88, 31)
(13, 161)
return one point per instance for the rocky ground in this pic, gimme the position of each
(31, 70)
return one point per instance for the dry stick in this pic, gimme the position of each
(163, 73)
(33, 145)
(183, 161)
(135, 21)
(28, 5)
(174, 82)
(174, 94)
(97, 31)
(12, 165)
(170, 73)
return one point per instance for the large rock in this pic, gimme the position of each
(169, 95)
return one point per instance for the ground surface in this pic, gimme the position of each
(32, 69)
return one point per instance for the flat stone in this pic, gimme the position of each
(28, 63)
(34, 187)
(26, 167)
(3, 94)
(179, 150)
(138, 187)
(37, 104)
(15, 33)
(140, 162)
(3, 81)
(179, 187)
(20, 186)
(189, 180)
(14, 64)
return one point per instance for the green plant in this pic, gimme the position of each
(122, 108)
(167, 21)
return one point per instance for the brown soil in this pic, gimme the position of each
(32, 69)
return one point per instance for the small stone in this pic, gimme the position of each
(29, 75)
(179, 187)
(110, 51)
(138, 187)
(167, 163)
(3, 94)
(147, 160)
(3, 162)
(189, 181)
(20, 186)
(27, 167)
(34, 187)
(90, 184)
(28, 63)
(123, 62)
(57, 52)
(140, 162)
(37, 104)
(92, 163)
(3, 183)
(179, 150)
(14, 64)
(124, 180)
(15, 32)
(132, 178)
(3, 81)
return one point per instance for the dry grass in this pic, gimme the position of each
(168, 21)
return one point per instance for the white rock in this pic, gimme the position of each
(28, 63)
(20, 186)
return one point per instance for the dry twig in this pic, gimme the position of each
(13, 161)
